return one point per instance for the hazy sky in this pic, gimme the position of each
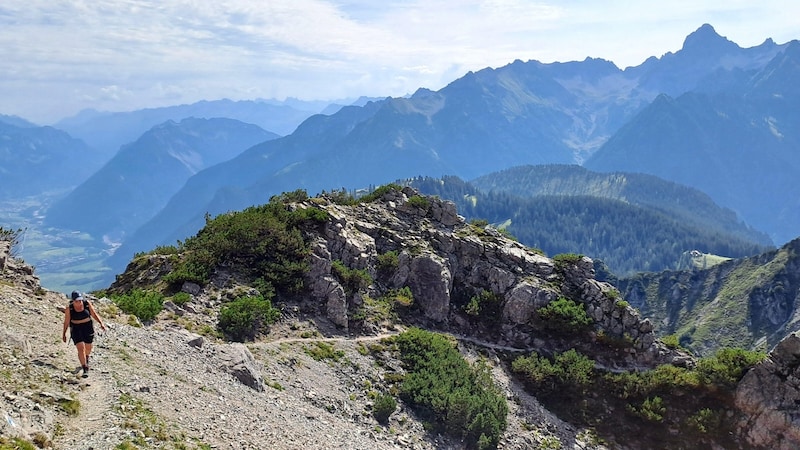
(59, 57)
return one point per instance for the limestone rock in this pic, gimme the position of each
(768, 397)
(239, 362)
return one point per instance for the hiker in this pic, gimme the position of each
(78, 317)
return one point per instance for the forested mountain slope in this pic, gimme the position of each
(627, 237)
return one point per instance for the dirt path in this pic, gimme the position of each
(97, 397)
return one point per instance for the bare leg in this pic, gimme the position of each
(81, 347)
(87, 351)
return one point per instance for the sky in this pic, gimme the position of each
(58, 57)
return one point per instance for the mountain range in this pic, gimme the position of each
(493, 119)
(712, 115)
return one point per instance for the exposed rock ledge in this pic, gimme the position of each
(769, 399)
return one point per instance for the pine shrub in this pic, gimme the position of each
(246, 316)
(141, 303)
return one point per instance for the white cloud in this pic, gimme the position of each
(60, 57)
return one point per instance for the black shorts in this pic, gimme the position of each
(82, 332)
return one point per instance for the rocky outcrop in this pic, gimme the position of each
(16, 270)
(445, 261)
(768, 397)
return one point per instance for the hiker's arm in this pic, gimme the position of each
(66, 325)
(96, 316)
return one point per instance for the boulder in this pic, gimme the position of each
(239, 362)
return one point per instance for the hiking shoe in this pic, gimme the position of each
(85, 371)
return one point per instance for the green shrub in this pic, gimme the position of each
(383, 408)
(244, 317)
(420, 202)
(402, 297)
(671, 341)
(480, 223)
(567, 369)
(323, 350)
(15, 443)
(388, 262)
(662, 380)
(459, 399)
(353, 280)
(194, 267)
(565, 316)
(705, 421)
(563, 259)
(261, 241)
(652, 409)
(181, 298)
(141, 303)
(165, 250)
(379, 192)
(484, 301)
(727, 366)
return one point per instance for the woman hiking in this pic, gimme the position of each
(78, 317)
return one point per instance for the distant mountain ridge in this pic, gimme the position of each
(37, 159)
(740, 149)
(107, 131)
(144, 174)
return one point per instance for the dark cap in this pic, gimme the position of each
(76, 295)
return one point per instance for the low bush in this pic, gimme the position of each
(247, 316)
(565, 316)
(483, 302)
(567, 369)
(181, 298)
(564, 259)
(458, 398)
(262, 241)
(420, 202)
(383, 408)
(400, 297)
(379, 192)
(353, 280)
(388, 262)
(141, 303)
(322, 350)
(727, 366)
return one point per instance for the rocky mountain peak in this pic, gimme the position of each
(706, 40)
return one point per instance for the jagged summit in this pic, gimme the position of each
(706, 39)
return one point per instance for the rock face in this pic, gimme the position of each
(445, 261)
(768, 397)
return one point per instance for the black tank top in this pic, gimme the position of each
(79, 315)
